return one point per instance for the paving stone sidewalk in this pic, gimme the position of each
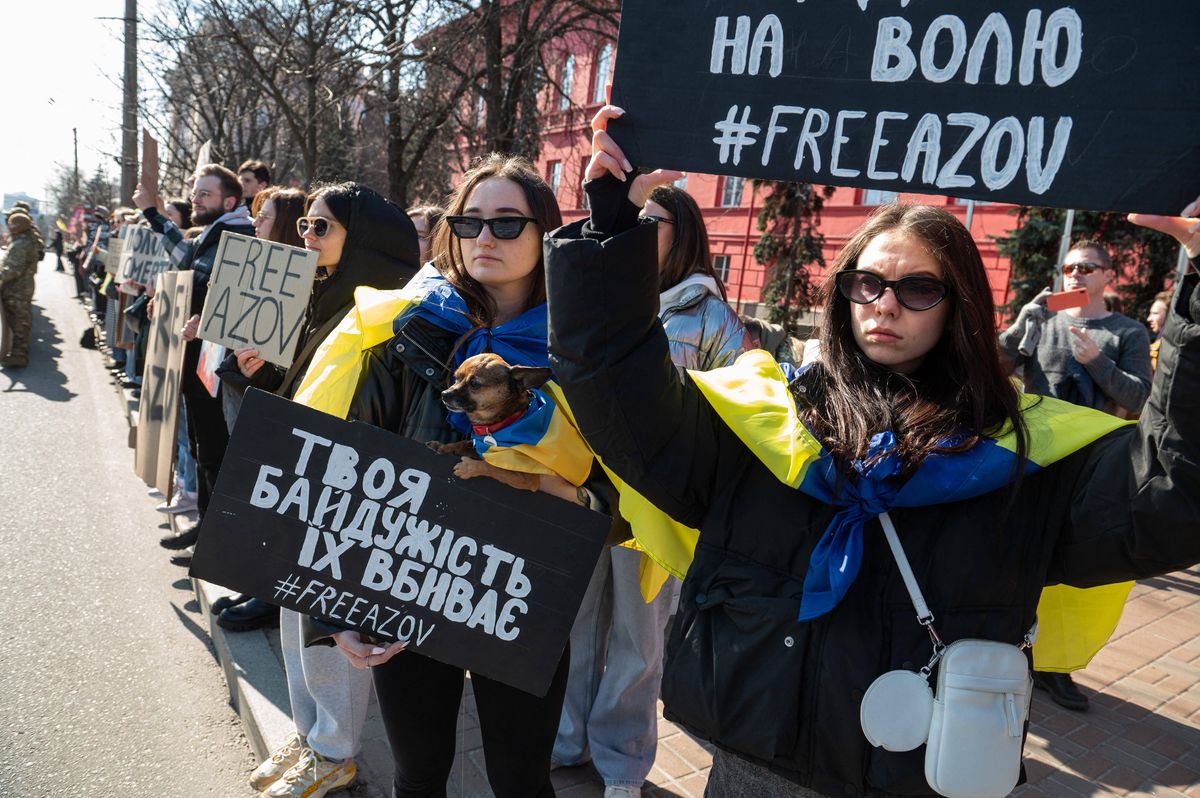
(1141, 737)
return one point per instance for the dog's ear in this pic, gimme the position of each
(528, 377)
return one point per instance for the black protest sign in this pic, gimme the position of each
(158, 413)
(257, 297)
(143, 256)
(1078, 106)
(369, 529)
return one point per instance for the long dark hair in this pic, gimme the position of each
(290, 204)
(962, 389)
(447, 252)
(689, 253)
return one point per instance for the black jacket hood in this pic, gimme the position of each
(381, 251)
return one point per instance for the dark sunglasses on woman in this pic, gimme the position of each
(915, 293)
(319, 226)
(648, 218)
(506, 228)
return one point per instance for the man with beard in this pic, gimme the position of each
(217, 206)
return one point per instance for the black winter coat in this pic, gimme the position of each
(741, 671)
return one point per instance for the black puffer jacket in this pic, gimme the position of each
(381, 251)
(741, 670)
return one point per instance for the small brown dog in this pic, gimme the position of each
(494, 394)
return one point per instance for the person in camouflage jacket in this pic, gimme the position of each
(16, 289)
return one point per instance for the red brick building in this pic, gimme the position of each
(582, 69)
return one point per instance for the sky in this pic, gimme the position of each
(62, 68)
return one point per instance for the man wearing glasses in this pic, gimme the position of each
(1087, 356)
(217, 206)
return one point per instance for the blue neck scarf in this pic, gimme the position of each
(521, 341)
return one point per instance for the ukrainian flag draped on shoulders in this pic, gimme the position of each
(753, 398)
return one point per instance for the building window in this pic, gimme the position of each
(603, 73)
(565, 83)
(554, 175)
(731, 192)
(480, 112)
(721, 267)
(681, 183)
(876, 196)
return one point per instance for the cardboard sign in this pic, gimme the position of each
(351, 523)
(257, 296)
(143, 256)
(159, 413)
(1069, 105)
(116, 244)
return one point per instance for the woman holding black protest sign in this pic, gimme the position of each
(795, 605)
(362, 239)
(491, 298)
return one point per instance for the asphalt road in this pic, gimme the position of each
(108, 683)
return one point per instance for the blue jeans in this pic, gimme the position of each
(611, 707)
(185, 464)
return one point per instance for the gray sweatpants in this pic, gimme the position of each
(329, 697)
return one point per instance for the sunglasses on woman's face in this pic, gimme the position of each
(505, 228)
(915, 293)
(317, 225)
(648, 218)
(1083, 267)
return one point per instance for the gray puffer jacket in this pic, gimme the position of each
(703, 331)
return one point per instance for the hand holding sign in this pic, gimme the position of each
(146, 195)
(1184, 228)
(608, 158)
(248, 361)
(366, 655)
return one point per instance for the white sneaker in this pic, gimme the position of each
(182, 502)
(313, 777)
(622, 791)
(278, 763)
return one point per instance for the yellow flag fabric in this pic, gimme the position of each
(333, 373)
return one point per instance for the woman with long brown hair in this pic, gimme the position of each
(807, 486)
(486, 294)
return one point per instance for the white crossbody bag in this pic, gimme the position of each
(973, 726)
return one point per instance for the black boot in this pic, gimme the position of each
(254, 614)
(1062, 690)
(225, 602)
(181, 541)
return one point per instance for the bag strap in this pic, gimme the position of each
(924, 615)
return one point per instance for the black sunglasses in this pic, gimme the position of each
(319, 226)
(1083, 267)
(506, 228)
(651, 219)
(915, 292)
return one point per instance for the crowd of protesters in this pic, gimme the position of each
(894, 355)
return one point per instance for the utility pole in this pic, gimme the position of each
(129, 115)
(75, 181)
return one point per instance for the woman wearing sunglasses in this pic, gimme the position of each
(362, 239)
(793, 603)
(487, 293)
(610, 713)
